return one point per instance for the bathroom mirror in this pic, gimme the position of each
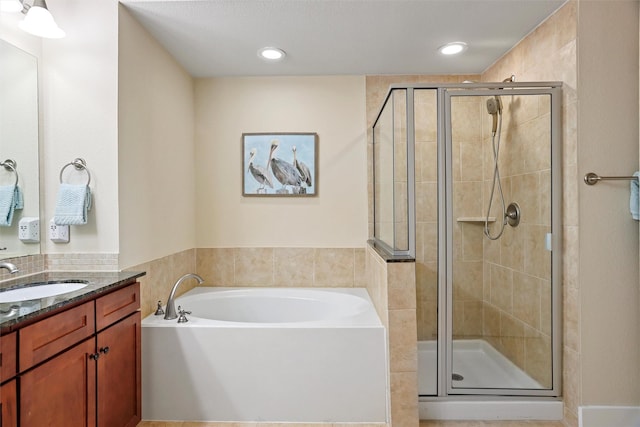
(19, 142)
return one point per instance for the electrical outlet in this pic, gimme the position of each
(58, 233)
(29, 230)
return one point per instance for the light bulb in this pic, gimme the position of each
(452, 48)
(40, 22)
(271, 54)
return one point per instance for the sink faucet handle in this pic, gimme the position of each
(159, 310)
(182, 315)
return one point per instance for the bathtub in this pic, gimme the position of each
(266, 354)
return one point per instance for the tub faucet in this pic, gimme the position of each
(170, 312)
(9, 266)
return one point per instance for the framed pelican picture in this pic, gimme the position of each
(280, 164)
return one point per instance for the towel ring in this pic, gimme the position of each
(10, 166)
(79, 164)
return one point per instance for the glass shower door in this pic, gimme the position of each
(500, 241)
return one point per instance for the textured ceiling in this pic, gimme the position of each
(338, 37)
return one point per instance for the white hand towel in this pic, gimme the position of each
(74, 201)
(10, 200)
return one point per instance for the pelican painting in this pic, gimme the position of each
(284, 172)
(302, 169)
(270, 169)
(259, 173)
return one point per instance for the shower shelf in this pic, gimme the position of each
(475, 219)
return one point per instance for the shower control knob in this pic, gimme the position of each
(512, 214)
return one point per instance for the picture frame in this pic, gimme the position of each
(280, 164)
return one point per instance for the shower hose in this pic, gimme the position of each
(495, 144)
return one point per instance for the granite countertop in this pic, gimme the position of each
(14, 313)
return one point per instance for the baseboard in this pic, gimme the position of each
(608, 416)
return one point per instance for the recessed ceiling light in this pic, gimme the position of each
(453, 48)
(271, 54)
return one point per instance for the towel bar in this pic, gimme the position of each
(79, 164)
(10, 166)
(593, 178)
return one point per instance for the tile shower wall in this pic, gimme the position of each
(549, 54)
(516, 314)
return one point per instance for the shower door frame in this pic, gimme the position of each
(445, 234)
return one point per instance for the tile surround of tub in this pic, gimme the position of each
(282, 267)
(259, 267)
(161, 275)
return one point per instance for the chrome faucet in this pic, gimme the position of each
(170, 311)
(9, 266)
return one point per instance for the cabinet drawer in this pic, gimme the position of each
(47, 337)
(7, 356)
(116, 305)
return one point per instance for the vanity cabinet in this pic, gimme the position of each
(8, 389)
(118, 377)
(81, 367)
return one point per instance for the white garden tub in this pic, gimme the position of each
(274, 354)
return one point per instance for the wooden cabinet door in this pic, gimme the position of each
(49, 336)
(119, 375)
(9, 401)
(8, 354)
(61, 392)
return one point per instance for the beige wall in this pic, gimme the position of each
(80, 98)
(608, 255)
(331, 106)
(73, 73)
(156, 150)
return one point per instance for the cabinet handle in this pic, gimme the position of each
(94, 356)
(104, 350)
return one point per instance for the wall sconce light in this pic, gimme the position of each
(37, 21)
(10, 6)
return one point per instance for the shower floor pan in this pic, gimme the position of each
(480, 366)
(476, 364)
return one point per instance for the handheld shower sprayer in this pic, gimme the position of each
(494, 107)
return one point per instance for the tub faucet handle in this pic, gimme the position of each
(182, 315)
(159, 310)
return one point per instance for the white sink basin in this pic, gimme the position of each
(46, 289)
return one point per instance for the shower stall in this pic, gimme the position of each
(467, 180)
